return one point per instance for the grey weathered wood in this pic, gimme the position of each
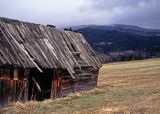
(28, 46)
(49, 47)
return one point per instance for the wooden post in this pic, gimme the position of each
(53, 87)
(59, 83)
(56, 84)
(15, 73)
(24, 90)
(26, 79)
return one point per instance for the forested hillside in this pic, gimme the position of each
(122, 42)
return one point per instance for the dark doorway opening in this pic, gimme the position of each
(40, 84)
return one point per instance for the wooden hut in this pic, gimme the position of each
(39, 62)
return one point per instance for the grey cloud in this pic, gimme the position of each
(111, 4)
(135, 12)
(58, 12)
(81, 12)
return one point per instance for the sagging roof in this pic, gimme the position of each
(34, 45)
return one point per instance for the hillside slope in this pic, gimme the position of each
(123, 87)
(122, 42)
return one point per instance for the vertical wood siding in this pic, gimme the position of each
(13, 87)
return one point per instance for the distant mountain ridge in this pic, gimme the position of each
(122, 42)
(116, 27)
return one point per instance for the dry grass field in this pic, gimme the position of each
(123, 88)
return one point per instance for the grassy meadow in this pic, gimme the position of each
(123, 88)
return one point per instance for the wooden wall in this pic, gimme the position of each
(63, 84)
(13, 87)
(15, 83)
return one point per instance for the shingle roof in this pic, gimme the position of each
(34, 45)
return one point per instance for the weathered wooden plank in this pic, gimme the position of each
(29, 45)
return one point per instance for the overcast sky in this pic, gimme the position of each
(145, 13)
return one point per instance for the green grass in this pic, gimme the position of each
(96, 99)
(125, 87)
